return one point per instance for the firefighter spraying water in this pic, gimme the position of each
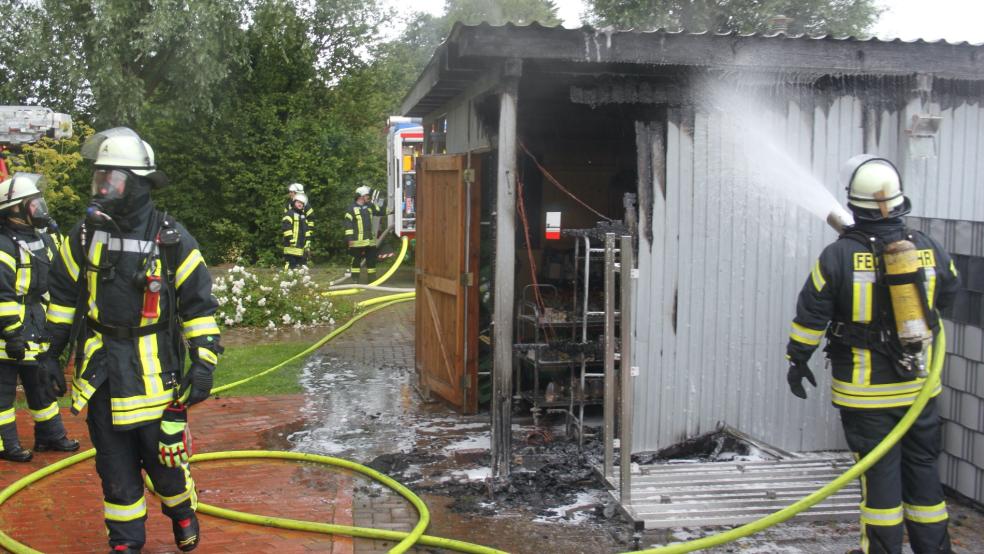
(875, 292)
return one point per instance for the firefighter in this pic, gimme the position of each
(130, 290)
(869, 303)
(297, 233)
(358, 232)
(25, 258)
(293, 190)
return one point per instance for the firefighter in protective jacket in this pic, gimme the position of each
(878, 369)
(130, 289)
(359, 234)
(25, 258)
(297, 232)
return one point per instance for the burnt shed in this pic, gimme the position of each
(616, 129)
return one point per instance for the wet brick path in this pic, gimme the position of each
(63, 513)
(381, 340)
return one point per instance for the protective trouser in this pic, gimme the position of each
(903, 486)
(361, 254)
(48, 425)
(295, 261)
(119, 457)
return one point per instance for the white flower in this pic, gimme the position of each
(261, 302)
(229, 321)
(271, 325)
(286, 319)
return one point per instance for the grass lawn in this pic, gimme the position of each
(241, 361)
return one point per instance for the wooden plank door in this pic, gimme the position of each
(446, 339)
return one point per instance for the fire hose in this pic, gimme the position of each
(417, 536)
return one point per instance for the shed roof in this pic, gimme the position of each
(471, 50)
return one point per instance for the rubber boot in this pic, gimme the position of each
(63, 444)
(16, 454)
(186, 533)
(124, 549)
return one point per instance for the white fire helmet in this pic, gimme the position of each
(295, 188)
(120, 147)
(20, 186)
(363, 191)
(300, 197)
(873, 183)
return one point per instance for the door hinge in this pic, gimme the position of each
(468, 279)
(468, 175)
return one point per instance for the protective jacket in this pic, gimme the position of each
(130, 338)
(845, 291)
(358, 224)
(25, 259)
(297, 232)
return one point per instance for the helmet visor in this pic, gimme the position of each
(111, 184)
(37, 210)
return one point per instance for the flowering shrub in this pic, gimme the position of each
(287, 298)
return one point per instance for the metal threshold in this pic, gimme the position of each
(733, 493)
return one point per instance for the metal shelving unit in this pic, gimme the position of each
(542, 337)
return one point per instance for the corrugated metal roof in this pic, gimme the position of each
(472, 51)
(771, 35)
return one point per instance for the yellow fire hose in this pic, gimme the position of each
(416, 536)
(404, 244)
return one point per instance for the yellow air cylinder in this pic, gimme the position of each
(901, 258)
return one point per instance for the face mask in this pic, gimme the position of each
(110, 189)
(37, 212)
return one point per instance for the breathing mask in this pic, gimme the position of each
(112, 192)
(36, 211)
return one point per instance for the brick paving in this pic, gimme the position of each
(392, 344)
(63, 513)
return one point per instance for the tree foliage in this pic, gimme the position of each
(813, 17)
(238, 99)
(117, 57)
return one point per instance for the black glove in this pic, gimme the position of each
(51, 376)
(797, 371)
(15, 347)
(197, 385)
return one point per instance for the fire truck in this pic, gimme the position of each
(404, 144)
(28, 124)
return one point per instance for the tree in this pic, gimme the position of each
(301, 107)
(118, 56)
(813, 17)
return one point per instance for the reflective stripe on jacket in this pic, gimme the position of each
(842, 287)
(358, 224)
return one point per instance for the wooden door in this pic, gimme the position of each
(446, 340)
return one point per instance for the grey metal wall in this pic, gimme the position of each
(465, 134)
(950, 186)
(718, 283)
